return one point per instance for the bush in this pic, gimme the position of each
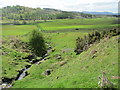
(37, 43)
(83, 44)
(24, 22)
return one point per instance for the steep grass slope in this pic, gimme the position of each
(78, 71)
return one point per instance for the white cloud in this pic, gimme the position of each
(71, 5)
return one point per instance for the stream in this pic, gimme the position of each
(22, 73)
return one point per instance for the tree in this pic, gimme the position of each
(37, 43)
(24, 22)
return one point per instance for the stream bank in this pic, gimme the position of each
(8, 82)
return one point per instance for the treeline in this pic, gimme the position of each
(26, 13)
(84, 43)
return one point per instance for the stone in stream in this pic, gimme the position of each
(49, 48)
(8, 80)
(59, 57)
(34, 61)
(46, 55)
(5, 85)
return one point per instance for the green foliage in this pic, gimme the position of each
(24, 22)
(65, 15)
(83, 44)
(26, 13)
(37, 43)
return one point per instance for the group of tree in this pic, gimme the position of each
(26, 13)
(84, 43)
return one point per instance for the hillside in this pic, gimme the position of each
(81, 71)
(61, 52)
(26, 13)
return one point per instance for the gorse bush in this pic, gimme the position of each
(83, 44)
(37, 43)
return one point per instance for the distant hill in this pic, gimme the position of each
(100, 13)
(17, 13)
(26, 13)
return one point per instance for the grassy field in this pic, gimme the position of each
(63, 40)
(66, 24)
(96, 23)
(17, 29)
(72, 71)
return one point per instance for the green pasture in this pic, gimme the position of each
(64, 24)
(63, 40)
(95, 23)
(17, 29)
(79, 27)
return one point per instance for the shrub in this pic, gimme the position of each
(24, 22)
(37, 43)
(83, 44)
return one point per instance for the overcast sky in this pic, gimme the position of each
(68, 5)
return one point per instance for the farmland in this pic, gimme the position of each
(82, 25)
(17, 29)
(95, 23)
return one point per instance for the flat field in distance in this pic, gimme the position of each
(17, 29)
(95, 23)
(63, 25)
